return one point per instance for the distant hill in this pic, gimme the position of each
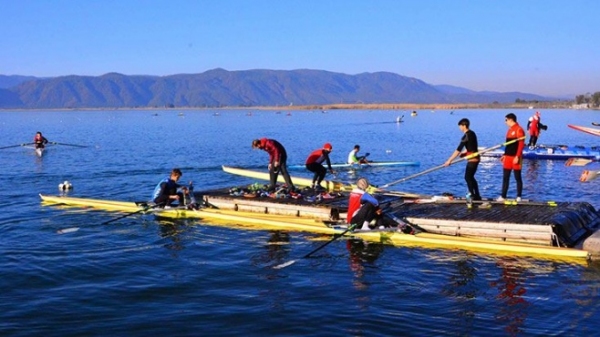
(219, 87)
(8, 81)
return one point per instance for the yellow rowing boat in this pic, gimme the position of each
(292, 223)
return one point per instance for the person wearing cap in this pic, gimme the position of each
(277, 161)
(314, 163)
(512, 160)
(354, 158)
(534, 126)
(363, 208)
(168, 190)
(39, 141)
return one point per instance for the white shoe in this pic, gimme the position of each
(518, 199)
(365, 226)
(500, 199)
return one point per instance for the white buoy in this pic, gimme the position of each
(388, 151)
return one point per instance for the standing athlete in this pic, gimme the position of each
(468, 142)
(512, 160)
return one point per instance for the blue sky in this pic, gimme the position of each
(545, 47)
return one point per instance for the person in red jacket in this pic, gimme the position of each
(363, 207)
(533, 126)
(277, 161)
(39, 141)
(512, 160)
(314, 163)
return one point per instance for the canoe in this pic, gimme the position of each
(259, 221)
(370, 164)
(591, 131)
(555, 152)
(330, 185)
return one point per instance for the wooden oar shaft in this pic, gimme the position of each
(472, 155)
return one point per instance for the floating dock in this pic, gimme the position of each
(548, 224)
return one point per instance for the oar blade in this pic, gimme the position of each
(283, 265)
(577, 162)
(588, 175)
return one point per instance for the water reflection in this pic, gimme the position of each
(276, 247)
(171, 230)
(511, 295)
(362, 254)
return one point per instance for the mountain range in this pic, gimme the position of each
(245, 88)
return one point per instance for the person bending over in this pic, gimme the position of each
(314, 163)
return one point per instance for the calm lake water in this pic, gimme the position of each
(142, 277)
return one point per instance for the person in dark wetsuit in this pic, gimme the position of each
(314, 163)
(166, 192)
(277, 161)
(469, 143)
(39, 141)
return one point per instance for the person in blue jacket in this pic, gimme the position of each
(168, 190)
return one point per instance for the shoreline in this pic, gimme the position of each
(340, 106)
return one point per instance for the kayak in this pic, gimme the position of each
(591, 131)
(330, 185)
(554, 152)
(370, 164)
(261, 221)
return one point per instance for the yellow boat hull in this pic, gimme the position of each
(261, 221)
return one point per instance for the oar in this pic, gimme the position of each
(65, 144)
(588, 175)
(577, 162)
(144, 206)
(8, 147)
(472, 155)
(335, 237)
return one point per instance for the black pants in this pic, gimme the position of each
(532, 140)
(470, 179)
(164, 200)
(367, 212)
(506, 179)
(319, 171)
(274, 172)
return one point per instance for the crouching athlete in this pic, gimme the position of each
(168, 190)
(363, 208)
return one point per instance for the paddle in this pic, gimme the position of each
(472, 155)
(65, 144)
(11, 146)
(335, 237)
(588, 175)
(577, 162)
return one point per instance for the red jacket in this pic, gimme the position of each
(515, 149)
(273, 148)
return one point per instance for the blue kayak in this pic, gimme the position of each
(554, 152)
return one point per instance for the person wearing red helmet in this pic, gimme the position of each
(314, 163)
(277, 161)
(535, 127)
